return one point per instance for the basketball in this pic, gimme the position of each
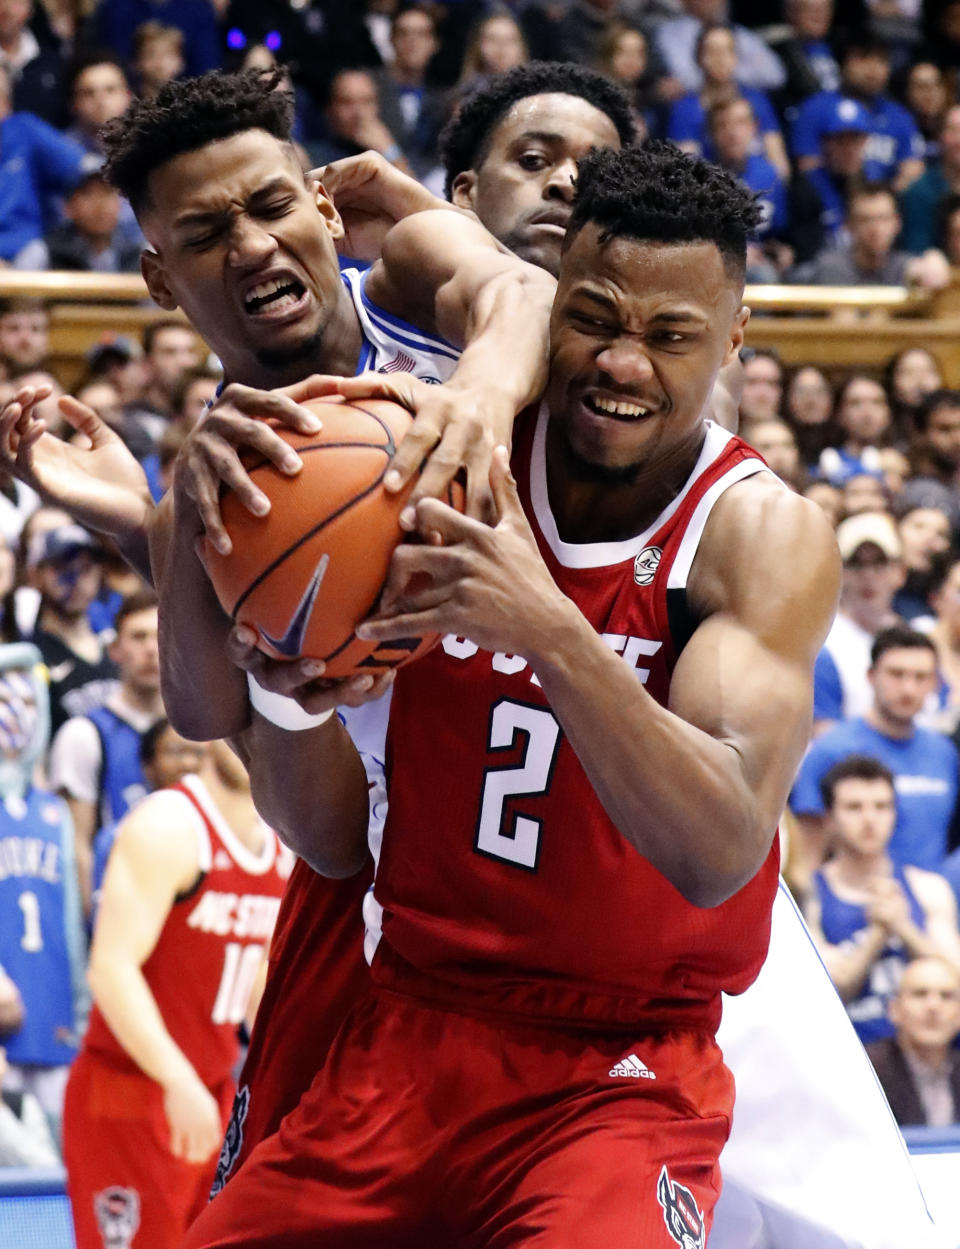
(306, 574)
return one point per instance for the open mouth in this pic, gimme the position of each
(616, 409)
(275, 295)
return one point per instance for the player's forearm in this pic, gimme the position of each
(83, 853)
(678, 795)
(130, 1010)
(504, 326)
(311, 787)
(205, 695)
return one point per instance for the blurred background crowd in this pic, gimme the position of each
(843, 117)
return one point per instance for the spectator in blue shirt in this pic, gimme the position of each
(869, 914)
(676, 43)
(924, 763)
(687, 124)
(733, 136)
(37, 163)
(116, 21)
(895, 148)
(843, 145)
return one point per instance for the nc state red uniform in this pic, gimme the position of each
(538, 1064)
(127, 1189)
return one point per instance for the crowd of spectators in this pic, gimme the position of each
(843, 118)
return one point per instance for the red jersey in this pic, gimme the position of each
(504, 883)
(206, 958)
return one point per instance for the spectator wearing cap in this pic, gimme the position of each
(64, 564)
(862, 416)
(93, 238)
(37, 72)
(935, 447)
(902, 676)
(926, 535)
(919, 1067)
(868, 256)
(818, 197)
(894, 151)
(676, 43)
(37, 164)
(872, 574)
(924, 201)
(869, 914)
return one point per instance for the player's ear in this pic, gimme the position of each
(154, 274)
(463, 189)
(327, 209)
(737, 332)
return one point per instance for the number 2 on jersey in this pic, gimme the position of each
(520, 843)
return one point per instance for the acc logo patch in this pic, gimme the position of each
(233, 1141)
(680, 1212)
(646, 564)
(118, 1216)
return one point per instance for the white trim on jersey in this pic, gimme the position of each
(604, 554)
(255, 864)
(689, 543)
(387, 336)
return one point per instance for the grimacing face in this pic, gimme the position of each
(245, 248)
(523, 188)
(637, 335)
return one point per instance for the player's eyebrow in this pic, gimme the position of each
(201, 216)
(596, 297)
(539, 136)
(669, 316)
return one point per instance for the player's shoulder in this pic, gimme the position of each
(161, 827)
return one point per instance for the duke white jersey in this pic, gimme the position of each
(390, 345)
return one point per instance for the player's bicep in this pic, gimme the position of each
(153, 858)
(751, 698)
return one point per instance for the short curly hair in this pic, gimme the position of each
(656, 193)
(465, 141)
(187, 114)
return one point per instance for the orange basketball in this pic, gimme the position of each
(308, 572)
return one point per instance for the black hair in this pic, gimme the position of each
(150, 740)
(658, 194)
(90, 57)
(867, 188)
(863, 43)
(899, 637)
(942, 398)
(853, 768)
(708, 28)
(187, 114)
(465, 141)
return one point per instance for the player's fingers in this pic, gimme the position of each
(366, 688)
(421, 438)
(27, 395)
(223, 431)
(291, 678)
(85, 421)
(214, 462)
(265, 405)
(204, 490)
(242, 647)
(503, 486)
(408, 625)
(415, 568)
(436, 518)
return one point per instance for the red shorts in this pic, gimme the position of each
(428, 1128)
(316, 975)
(126, 1188)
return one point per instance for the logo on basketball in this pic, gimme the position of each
(118, 1216)
(233, 1141)
(680, 1212)
(646, 564)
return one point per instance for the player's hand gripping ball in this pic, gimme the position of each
(306, 574)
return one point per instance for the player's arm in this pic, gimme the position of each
(155, 858)
(696, 787)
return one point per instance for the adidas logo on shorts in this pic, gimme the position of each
(632, 1068)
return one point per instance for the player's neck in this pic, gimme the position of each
(335, 350)
(235, 805)
(609, 510)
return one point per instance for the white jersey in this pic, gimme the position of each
(391, 345)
